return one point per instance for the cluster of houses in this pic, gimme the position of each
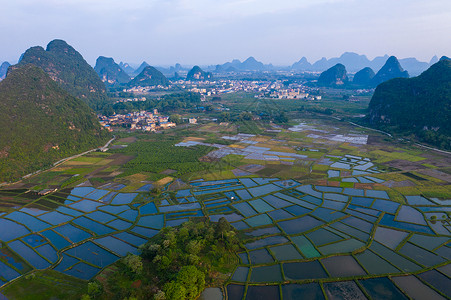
(142, 99)
(143, 120)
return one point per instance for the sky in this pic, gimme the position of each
(204, 32)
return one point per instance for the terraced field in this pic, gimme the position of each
(301, 240)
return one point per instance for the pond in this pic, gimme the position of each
(272, 240)
(86, 205)
(260, 256)
(259, 220)
(343, 290)
(276, 202)
(264, 189)
(304, 270)
(374, 264)
(93, 226)
(394, 258)
(305, 246)
(119, 224)
(269, 292)
(322, 236)
(123, 198)
(31, 222)
(93, 254)
(414, 288)
(279, 214)
(72, 233)
(389, 237)
(411, 215)
(382, 289)
(101, 216)
(57, 240)
(266, 274)
(117, 246)
(235, 291)
(310, 291)
(437, 280)
(55, 218)
(29, 255)
(285, 252)
(342, 266)
(240, 274)
(422, 256)
(299, 225)
(156, 221)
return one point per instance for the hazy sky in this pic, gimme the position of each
(164, 32)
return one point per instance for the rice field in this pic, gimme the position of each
(300, 240)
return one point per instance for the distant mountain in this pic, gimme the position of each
(420, 105)
(352, 61)
(355, 62)
(391, 69)
(41, 123)
(3, 69)
(302, 65)
(149, 77)
(433, 60)
(67, 67)
(321, 65)
(363, 77)
(334, 76)
(110, 72)
(196, 73)
(444, 58)
(413, 66)
(141, 68)
(127, 68)
(250, 64)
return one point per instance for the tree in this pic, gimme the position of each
(134, 263)
(222, 227)
(176, 118)
(174, 291)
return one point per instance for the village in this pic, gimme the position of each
(143, 120)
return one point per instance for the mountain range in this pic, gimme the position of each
(336, 76)
(149, 76)
(355, 62)
(67, 67)
(110, 72)
(419, 105)
(41, 122)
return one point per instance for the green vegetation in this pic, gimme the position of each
(196, 73)
(334, 76)
(149, 77)
(178, 263)
(47, 284)
(156, 157)
(41, 123)
(67, 67)
(418, 106)
(110, 72)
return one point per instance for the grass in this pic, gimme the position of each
(47, 284)
(384, 156)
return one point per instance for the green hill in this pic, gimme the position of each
(391, 69)
(41, 123)
(149, 77)
(110, 72)
(67, 67)
(196, 73)
(363, 77)
(334, 76)
(419, 105)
